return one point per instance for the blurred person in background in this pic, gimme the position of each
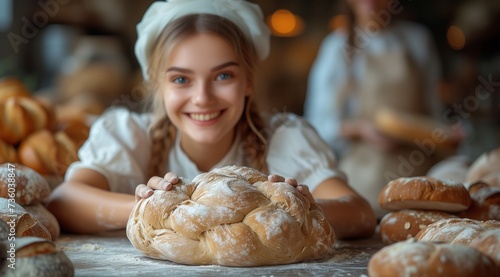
(375, 62)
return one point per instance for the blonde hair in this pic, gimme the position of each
(162, 131)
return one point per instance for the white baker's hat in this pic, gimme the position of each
(247, 16)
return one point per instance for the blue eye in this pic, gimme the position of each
(224, 76)
(180, 80)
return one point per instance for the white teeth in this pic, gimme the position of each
(204, 117)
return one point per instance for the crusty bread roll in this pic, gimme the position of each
(405, 224)
(230, 216)
(486, 168)
(410, 128)
(424, 193)
(26, 225)
(7, 153)
(485, 202)
(22, 184)
(12, 87)
(488, 242)
(456, 230)
(413, 258)
(48, 153)
(46, 218)
(22, 116)
(38, 257)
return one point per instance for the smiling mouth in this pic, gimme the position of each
(204, 116)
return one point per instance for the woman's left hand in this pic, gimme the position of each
(304, 189)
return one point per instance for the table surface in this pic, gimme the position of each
(111, 254)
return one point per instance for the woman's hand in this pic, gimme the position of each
(165, 183)
(301, 188)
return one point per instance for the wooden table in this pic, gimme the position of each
(111, 254)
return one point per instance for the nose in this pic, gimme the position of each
(203, 94)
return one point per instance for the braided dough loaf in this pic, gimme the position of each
(230, 216)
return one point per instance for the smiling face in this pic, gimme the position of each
(204, 90)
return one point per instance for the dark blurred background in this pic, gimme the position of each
(61, 48)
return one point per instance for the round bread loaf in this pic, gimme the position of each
(485, 202)
(48, 153)
(26, 225)
(46, 218)
(405, 224)
(489, 243)
(413, 258)
(12, 87)
(23, 184)
(38, 257)
(424, 193)
(486, 168)
(230, 216)
(456, 230)
(7, 152)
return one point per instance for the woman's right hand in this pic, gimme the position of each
(155, 183)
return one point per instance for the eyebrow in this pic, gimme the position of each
(183, 70)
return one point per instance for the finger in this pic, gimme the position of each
(171, 177)
(275, 178)
(159, 183)
(142, 191)
(291, 182)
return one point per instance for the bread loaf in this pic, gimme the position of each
(12, 87)
(230, 216)
(405, 224)
(22, 116)
(38, 257)
(26, 225)
(22, 184)
(456, 230)
(424, 193)
(413, 258)
(48, 153)
(46, 218)
(486, 168)
(409, 128)
(489, 243)
(485, 202)
(7, 153)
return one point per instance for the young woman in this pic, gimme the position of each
(200, 56)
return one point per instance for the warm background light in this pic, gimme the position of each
(456, 38)
(285, 23)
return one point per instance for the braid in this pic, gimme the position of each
(162, 134)
(255, 141)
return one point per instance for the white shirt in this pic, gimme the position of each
(119, 148)
(330, 71)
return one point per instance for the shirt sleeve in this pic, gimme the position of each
(328, 74)
(118, 148)
(297, 151)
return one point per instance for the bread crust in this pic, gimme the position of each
(413, 258)
(424, 193)
(230, 216)
(28, 186)
(401, 225)
(456, 230)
